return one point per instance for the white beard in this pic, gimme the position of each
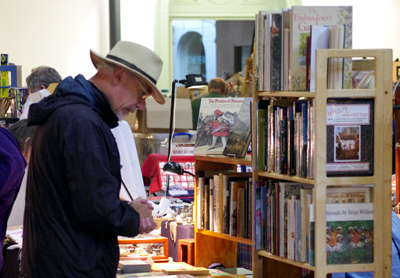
(120, 116)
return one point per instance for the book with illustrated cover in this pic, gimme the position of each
(240, 135)
(302, 18)
(217, 116)
(350, 137)
(349, 233)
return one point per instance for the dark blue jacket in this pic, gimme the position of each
(12, 170)
(73, 213)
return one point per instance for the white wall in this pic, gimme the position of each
(60, 33)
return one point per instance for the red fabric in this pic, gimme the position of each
(150, 168)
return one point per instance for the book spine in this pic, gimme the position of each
(276, 51)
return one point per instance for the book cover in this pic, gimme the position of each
(240, 135)
(276, 51)
(319, 37)
(349, 233)
(350, 137)
(217, 116)
(302, 18)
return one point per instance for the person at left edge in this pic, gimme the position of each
(73, 213)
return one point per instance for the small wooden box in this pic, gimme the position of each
(142, 246)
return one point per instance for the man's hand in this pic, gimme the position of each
(144, 209)
(147, 225)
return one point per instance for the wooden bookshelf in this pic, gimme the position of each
(266, 264)
(214, 247)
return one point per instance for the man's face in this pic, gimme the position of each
(129, 94)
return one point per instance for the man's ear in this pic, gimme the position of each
(118, 73)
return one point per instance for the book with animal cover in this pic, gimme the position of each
(349, 233)
(134, 266)
(225, 179)
(240, 135)
(217, 116)
(350, 137)
(302, 18)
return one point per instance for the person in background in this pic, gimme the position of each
(216, 88)
(38, 83)
(73, 213)
(15, 149)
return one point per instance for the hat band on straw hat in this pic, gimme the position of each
(132, 66)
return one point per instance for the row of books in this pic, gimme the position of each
(285, 142)
(284, 223)
(280, 46)
(224, 203)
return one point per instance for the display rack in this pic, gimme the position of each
(211, 247)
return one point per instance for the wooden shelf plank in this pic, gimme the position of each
(225, 236)
(286, 260)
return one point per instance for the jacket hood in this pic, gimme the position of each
(73, 91)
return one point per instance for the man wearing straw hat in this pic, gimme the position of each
(73, 213)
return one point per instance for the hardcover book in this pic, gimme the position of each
(302, 18)
(276, 51)
(240, 135)
(350, 137)
(349, 233)
(217, 116)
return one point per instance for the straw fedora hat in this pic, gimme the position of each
(138, 59)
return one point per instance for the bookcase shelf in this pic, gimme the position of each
(214, 247)
(263, 262)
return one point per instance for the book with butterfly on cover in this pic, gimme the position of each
(217, 116)
(302, 18)
(240, 135)
(350, 137)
